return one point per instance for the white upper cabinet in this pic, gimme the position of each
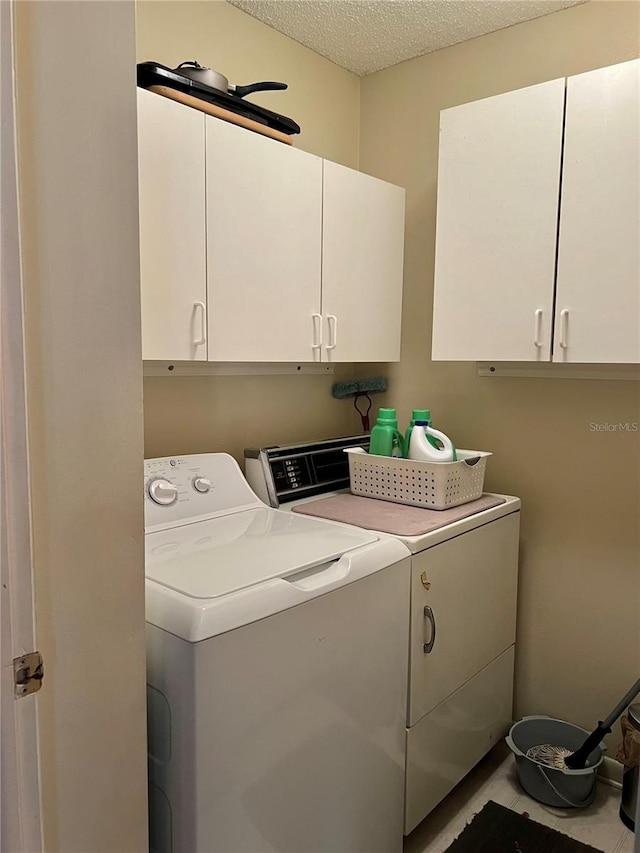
(598, 295)
(497, 215)
(254, 251)
(538, 236)
(172, 229)
(264, 231)
(362, 263)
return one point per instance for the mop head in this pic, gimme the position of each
(360, 389)
(356, 387)
(552, 756)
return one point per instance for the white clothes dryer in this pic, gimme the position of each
(277, 671)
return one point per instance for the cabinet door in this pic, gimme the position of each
(497, 217)
(469, 585)
(362, 260)
(264, 219)
(172, 229)
(598, 293)
(446, 743)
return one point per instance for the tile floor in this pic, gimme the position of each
(495, 779)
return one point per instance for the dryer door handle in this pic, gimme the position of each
(427, 648)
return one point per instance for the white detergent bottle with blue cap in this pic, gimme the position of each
(421, 448)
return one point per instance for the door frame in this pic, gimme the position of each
(20, 807)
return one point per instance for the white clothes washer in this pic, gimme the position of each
(464, 573)
(277, 671)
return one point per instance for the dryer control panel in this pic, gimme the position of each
(182, 489)
(288, 472)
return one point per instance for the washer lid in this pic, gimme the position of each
(212, 558)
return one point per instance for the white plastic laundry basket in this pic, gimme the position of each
(433, 485)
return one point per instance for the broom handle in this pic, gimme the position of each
(613, 716)
(578, 759)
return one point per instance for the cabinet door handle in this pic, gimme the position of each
(537, 331)
(317, 331)
(564, 327)
(203, 323)
(332, 323)
(431, 619)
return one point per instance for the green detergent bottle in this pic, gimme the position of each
(386, 438)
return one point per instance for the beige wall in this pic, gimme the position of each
(321, 97)
(189, 414)
(79, 221)
(579, 602)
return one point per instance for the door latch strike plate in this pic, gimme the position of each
(28, 672)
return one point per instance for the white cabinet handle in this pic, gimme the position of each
(332, 323)
(564, 325)
(203, 323)
(537, 332)
(317, 331)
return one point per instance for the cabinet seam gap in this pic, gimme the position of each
(557, 256)
(322, 247)
(206, 236)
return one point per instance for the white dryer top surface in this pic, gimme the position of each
(415, 544)
(222, 555)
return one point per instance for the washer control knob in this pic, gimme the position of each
(163, 492)
(202, 485)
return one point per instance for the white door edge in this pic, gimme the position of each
(20, 809)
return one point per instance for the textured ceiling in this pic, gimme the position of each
(367, 35)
